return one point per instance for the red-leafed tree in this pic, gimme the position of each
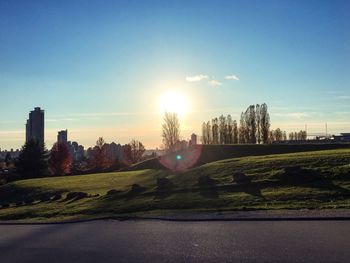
(60, 160)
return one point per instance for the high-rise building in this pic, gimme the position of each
(193, 139)
(35, 125)
(62, 136)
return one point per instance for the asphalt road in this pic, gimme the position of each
(162, 241)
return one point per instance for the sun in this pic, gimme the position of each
(174, 101)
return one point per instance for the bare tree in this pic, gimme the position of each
(170, 131)
(258, 122)
(204, 134)
(99, 156)
(242, 128)
(215, 131)
(222, 129)
(136, 151)
(265, 123)
(229, 136)
(235, 132)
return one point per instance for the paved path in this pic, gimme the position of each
(162, 241)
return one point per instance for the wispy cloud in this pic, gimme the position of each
(232, 77)
(214, 82)
(297, 115)
(342, 97)
(196, 78)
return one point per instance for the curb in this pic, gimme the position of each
(169, 219)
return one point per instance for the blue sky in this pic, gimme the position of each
(98, 67)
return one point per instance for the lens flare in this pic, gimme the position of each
(182, 160)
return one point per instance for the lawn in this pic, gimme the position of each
(316, 180)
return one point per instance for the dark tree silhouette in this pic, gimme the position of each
(215, 131)
(32, 162)
(99, 158)
(8, 159)
(235, 132)
(265, 123)
(60, 160)
(258, 123)
(136, 151)
(170, 131)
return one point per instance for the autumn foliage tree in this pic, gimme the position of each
(60, 160)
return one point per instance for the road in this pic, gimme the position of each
(164, 241)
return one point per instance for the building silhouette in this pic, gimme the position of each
(193, 140)
(35, 125)
(62, 136)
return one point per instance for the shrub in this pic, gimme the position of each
(76, 195)
(112, 192)
(240, 178)
(206, 181)
(164, 184)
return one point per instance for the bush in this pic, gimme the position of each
(5, 205)
(112, 192)
(29, 201)
(45, 197)
(56, 197)
(76, 195)
(240, 178)
(136, 188)
(297, 174)
(164, 184)
(206, 181)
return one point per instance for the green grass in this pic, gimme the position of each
(267, 189)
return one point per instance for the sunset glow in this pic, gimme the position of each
(174, 101)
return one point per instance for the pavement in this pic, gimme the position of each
(177, 241)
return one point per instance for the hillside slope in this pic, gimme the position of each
(319, 179)
(202, 154)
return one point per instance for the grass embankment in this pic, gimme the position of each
(212, 153)
(323, 182)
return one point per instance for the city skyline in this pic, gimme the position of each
(102, 71)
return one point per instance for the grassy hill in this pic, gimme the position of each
(318, 179)
(202, 154)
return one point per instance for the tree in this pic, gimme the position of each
(222, 129)
(205, 139)
(252, 124)
(60, 160)
(265, 123)
(32, 162)
(278, 135)
(136, 151)
(99, 156)
(209, 135)
(8, 159)
(215, 131)
(258, 122)
(229, 129)
(242, 128)
(235, 132)
(170, 131)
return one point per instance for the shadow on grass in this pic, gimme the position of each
(14, 194)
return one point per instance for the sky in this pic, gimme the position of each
(99, 68)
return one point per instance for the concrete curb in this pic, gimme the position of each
(175, 219)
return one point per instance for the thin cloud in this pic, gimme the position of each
(297, 115)
(196, 78)
(214, 82)
(343, 97)
(232, 77)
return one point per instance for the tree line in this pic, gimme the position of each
(36, 161)
(253, 127)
